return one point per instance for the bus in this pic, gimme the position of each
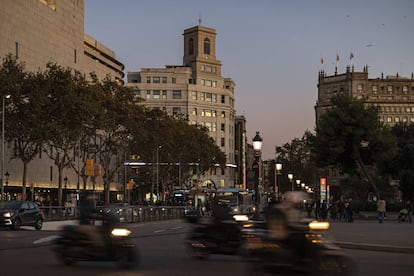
(241, 201)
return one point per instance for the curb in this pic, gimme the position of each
(375, 247)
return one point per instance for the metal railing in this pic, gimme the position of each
(126, 214)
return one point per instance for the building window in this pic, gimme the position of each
(208, 97)
(223, 114)
(223, 127)
(164, 79)
(194, 112)
(222, 142)
(389, 119)
(360, 87)
(137, 93)
(156, 79)
(202, 96)
(74, 56)
(207, 113)
(214, 99)
(389, 89)
(208, 125)
(148, 79)
(156, 94)
(397, 119)
(223, 99)
(375, 89)
(148, 94)
(176, 111)
(191, 46)
(214, 128)
(206, 46)
(214, 113)
(214, 83)
(164, 94)
(194, 95)
(412, 119)
(405, 89)
(208, 83)
(177, 94)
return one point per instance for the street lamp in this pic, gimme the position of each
(257, 146)
(298, 182)
(302, 185)
(157, 174)
(2, 144)
(278, 169)
(65, 181)
(290, 176)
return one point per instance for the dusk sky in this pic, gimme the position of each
(271, 49)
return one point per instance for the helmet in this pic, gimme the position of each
(295, 197)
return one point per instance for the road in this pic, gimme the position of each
(162, 252)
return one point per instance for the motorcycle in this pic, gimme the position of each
(105, 242)
(304, 250)
(209, 236)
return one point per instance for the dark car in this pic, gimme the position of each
(14, 214)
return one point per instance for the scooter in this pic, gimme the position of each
(75, 244)
(212, 237)
(305, 250)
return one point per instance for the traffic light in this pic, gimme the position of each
(89, 167)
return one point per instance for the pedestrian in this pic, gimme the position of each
(381, 208)
(341, 210)
(409, 207)
(317, 209)
(324, 210)
(350, 211)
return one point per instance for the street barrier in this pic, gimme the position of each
(126, 214)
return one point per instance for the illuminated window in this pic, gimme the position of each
(164, 94)
(148, 94)
(156, 94)
(194, 95)
(49, 3)
(223, 114)
(375, 89)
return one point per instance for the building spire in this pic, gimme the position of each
(199, 19)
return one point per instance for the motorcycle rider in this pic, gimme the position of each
(224, 227)
(284, 223)
(88, 213)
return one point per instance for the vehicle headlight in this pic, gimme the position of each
(120, 232)
(319, 225)
(240, 218)
(8, 214)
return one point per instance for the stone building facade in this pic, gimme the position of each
(196, 90)
(393, 95)
(37, 32)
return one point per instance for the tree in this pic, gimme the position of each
(402, 167)
(22, 109)
(350, 135)
(65, 111)
(296, 158)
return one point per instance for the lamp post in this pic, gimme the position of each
(257, 146)
(2, 144)
(278, 169)
(290, 176)
(298, 182)
(65, 181)
(157, 172)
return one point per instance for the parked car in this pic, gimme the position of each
(14, 214)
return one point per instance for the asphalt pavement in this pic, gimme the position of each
(365, 233)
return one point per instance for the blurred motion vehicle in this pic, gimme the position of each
(217, 234)
(241, 201)
(296, 249)
(104, 241)
(116, 209)
(14, 214)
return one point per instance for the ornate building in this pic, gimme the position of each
(196, 90)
